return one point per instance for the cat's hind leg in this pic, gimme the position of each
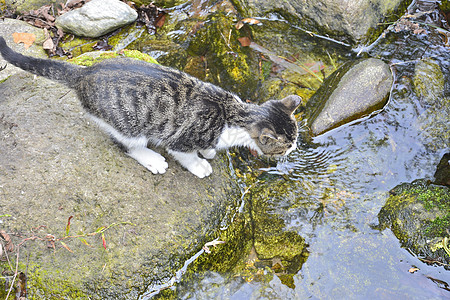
(135, 147)
(153, 161)
(194, 164)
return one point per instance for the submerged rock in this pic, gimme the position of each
(442, 174)
(55, 165)
(97, 18)
(341, 19)
(418, 214)
(355, 90)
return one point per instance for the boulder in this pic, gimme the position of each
(11, 26)
(96, 18)
(357, 89)
(342, 19)
(418, 213)
(128, 228)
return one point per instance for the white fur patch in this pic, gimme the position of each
(133, 142)
(153, 161)
(198, 166)
(208, 153)
(294, 146)
(136, 148)
(236, 136)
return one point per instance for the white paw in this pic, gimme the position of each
(208, 153)
(200, 168)
(194, 164)
(153, 161)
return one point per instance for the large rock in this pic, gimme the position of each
(11, 26)
(418, 213)
(97, 17)
(342, 19)
(55, 164)
(356, 89)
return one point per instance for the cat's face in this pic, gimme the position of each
(276, 133)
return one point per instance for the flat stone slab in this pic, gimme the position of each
(55, 163)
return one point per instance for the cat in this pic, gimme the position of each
(139, 103)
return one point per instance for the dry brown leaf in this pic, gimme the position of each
(9, 244)
(249, 21)
(245, 41)
(413, 270)
(23, 37)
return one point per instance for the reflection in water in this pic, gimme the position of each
(309, 216)
(330, 193)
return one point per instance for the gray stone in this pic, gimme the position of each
(355, 90)
(23, 6)
(10, 26)
(96, 18)
(333, 17)
(55, 164)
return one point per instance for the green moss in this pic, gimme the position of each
(95, 57)
(418, 213)
(429, 80)
(445, 6)
(3, 80)
(139, 55)
(228, 63)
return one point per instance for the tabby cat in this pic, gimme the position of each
(141, 103)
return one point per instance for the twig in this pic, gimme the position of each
(15, 273)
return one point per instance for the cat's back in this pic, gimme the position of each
(128, 68)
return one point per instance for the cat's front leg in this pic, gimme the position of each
(153, 161)
(190, 160)
(208, 153)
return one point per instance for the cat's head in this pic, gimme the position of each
(275, 133)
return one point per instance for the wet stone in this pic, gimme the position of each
(351, 20)
(418, 214)
(355, 90)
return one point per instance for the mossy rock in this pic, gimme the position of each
(229, 64)
(429, 81)
(88, 59)
(418, 213)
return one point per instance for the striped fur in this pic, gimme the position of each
(139, 103)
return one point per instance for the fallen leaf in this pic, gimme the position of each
(245, 41)
(9, 244)
(23, 37)
(68, 221)
(65, 246)
(104, 240)
(249, 21)
(413, 270)
(48, 44)
(84, 242)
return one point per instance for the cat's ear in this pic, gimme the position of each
(266, 136)
(291, 103)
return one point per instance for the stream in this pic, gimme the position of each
(329, 192)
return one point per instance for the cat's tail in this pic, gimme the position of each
(52, 69)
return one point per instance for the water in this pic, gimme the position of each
(336, 187)
(328, 194)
